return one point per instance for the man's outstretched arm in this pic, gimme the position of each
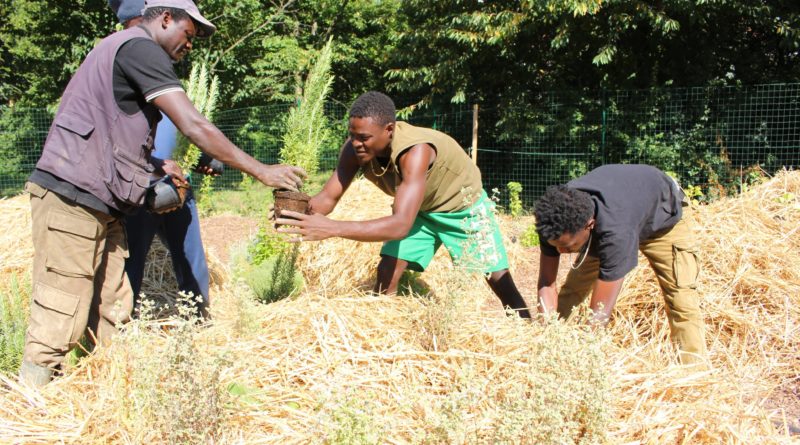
(177, 106)
(548, 272)
(408, 199)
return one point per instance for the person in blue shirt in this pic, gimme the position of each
(179, 230)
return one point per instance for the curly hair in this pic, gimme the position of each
(375, 105)
(562, 210)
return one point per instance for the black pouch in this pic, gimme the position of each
(163, 196)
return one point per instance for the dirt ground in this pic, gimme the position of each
(221, 233)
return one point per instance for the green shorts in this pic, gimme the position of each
(472, 237)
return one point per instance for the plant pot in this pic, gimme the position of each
(289, 200)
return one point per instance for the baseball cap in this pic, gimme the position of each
(126, 9)
(206, 28)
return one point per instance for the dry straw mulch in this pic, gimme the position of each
(16, 247)
(444, 369)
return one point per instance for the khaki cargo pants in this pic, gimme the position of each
(79, 279)
(673, 257)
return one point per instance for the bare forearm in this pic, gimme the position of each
(323, 205)
(381, 229)
(604, 297)
(548, 272)
(212, 141)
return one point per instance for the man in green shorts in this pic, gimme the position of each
(438, 199)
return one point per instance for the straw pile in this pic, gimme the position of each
(16, 247)
(335, 365)
(159, 280)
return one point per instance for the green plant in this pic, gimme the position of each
(203, 92)
(530, 237)
(514, 201)
(751, 177)
(566, 395)
(306, 124)
(266, 245)
(352, 424)
(694, 193)
(411, 284)
(168, 387)
(13, 322)
(276, 277)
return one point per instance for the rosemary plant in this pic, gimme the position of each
(306, 125)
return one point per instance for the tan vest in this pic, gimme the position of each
(451, 172)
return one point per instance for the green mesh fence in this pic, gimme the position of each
(715, 138)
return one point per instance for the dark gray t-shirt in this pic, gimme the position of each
(632, 202)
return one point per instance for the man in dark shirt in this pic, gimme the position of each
(607, 217)
(179, 229)
(94, 169)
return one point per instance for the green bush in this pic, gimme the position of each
(268, 244)
(352, 423)
(203, 92)
(530, 237)
(167, 386)
(514, 201)
(306, 124)
(275, 277)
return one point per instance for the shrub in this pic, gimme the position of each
(168, 388)
(565, 395)
(276, 277)
(204, 94)
(530, 237)
(267, 244)
(306, 124)
(352, 423)
(514, 201)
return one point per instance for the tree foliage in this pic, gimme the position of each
(259, 52)
(511, 50)
(43, 42)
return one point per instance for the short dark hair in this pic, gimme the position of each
(375, 105)
(178, 15)
(562, 210)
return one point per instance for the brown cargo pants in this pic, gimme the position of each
(79, 279)
(673, 257)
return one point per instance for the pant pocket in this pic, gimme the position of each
(685, 266)
(53, 317)
(35, 189)
(71, 244)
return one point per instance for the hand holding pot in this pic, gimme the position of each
(281, 176)
(314, 227)
(173, 170)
